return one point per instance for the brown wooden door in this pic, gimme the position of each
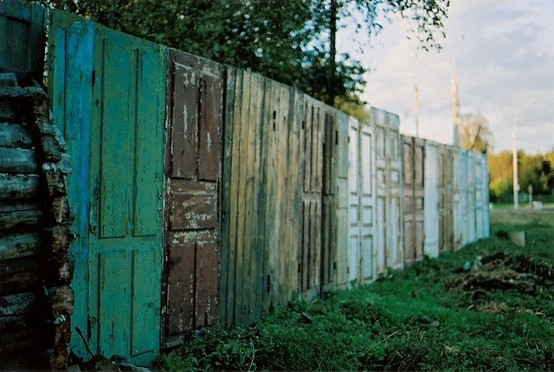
(195, 95)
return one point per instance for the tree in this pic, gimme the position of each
(475, 133)
(426, 16)
(535, 170)
(291, 41)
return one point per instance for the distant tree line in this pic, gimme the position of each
(535, 170)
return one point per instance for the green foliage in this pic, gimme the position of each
(431, 316)
(286, 40)
(534, 170)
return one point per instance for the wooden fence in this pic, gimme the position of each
(205, 193)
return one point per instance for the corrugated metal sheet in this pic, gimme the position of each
(194, 172)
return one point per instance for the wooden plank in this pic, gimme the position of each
(18, 186)
(236, 189)
(194, 205)
(20, 215)
(14, 135)
(184, 113)
(228, 261)
(367, 203)
(304, 258)
(294, 217)
(19, 275)
(210, 133)
(181, 266)
(307, 126)
(253, 248)
(116, 145)
(207, 286)
(145, 299)
(14, 323)
(23, 23)
(419, 196)
(149, 120)
(17, 304)
(115, 285)
(408, 165)
(16, 160)
(16, 342)
(70, 86)
(272, 175)
(19, 245)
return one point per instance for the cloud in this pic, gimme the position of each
(503, 55)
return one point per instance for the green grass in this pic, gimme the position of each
(431, 316)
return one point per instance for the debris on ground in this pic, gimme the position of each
(502, 272)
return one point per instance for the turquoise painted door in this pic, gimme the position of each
(70, 71)
(127, 153)
(108, 93)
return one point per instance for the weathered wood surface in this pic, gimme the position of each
(446, 188)
(17, 304)
(414, 192)
(22, 38)
(18, 186)
(19, 245)
(246, 272)
(284, 116)
(16, 160)
(193, 192)
(20, 215)
(14, 135)
(389, 207)
(194, 205)
(19, 275)
(18, 319)
(432, 196)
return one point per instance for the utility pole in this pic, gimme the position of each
(416, 111)
(456, 110)
(515, 184)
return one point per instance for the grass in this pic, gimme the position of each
(433, 315)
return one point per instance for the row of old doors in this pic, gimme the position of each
(108, 95)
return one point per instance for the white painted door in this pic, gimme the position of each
(431, 199)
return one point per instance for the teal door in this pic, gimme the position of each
(108, 96)
(127, 152)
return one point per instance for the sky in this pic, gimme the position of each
(502, 52)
